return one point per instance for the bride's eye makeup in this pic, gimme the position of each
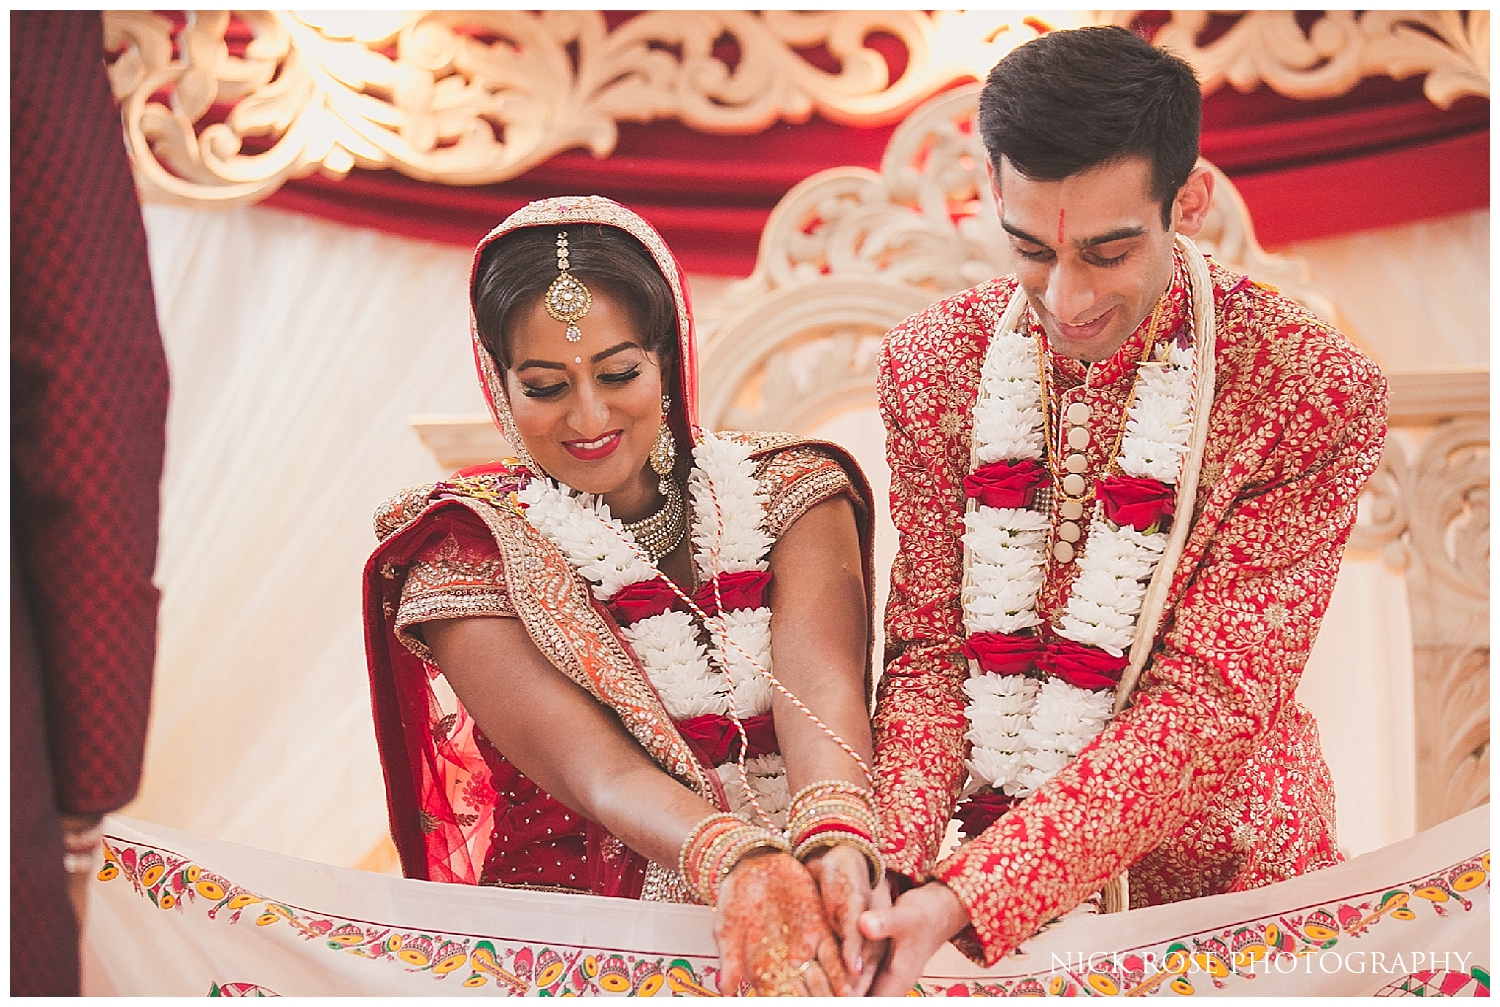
(542, 391)
(621, 377)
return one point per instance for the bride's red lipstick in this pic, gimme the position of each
(592, 454)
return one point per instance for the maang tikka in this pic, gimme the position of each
(664, 451)
(567, 299)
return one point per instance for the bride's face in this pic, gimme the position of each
(588, 412)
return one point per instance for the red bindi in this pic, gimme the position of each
(1059, 227)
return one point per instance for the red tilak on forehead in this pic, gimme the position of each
(1059, 226)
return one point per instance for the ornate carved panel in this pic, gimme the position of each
(1428, 511)
(469, 97)
(1450, 48)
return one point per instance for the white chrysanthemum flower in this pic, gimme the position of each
(1008, 415)
(1006, 427)
(996, 769)
(1110, 589)
(993, 614)
(1040, 767)
(1011, 356)
(725, 491)
(677, 665)
(1063, 722)
(1067, 718)
(1006, 694)
(746, 656)
(1105, 587)
(997, 715)
(1008, 523)
(594, 543)
(1160, 423)
(766, 776)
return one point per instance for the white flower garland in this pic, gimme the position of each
(1022, 733)
(691, 679)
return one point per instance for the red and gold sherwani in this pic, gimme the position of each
(1212, 779)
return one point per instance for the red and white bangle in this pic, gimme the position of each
(835, 813)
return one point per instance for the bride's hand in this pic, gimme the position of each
(843, 877)
(772, 933)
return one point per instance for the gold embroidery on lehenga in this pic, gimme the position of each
(530, 579)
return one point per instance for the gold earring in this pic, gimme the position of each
(664, 451)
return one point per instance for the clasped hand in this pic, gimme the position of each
(785, 929)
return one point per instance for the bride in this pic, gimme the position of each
(633, 661)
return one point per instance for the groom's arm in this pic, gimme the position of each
(925, 402)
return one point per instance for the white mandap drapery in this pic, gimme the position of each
(299, 351)
(176, 914)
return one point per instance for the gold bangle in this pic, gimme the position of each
(827, 788)
(829, 795)
(704, 835)
(832, 810)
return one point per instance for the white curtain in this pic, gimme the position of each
(299, 350)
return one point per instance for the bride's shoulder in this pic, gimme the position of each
(796, 473)
(777, 451)
(489, 485)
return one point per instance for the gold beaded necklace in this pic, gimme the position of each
(1067, 473)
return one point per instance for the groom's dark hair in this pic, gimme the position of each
(1073, 100)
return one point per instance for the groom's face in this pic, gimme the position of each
(1090, 251)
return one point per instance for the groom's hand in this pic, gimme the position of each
(843, 877)
(919, 923)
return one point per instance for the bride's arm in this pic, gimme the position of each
(560, 737)
(577, 750)
(819, 642)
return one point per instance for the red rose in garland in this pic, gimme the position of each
(1081, 666)
(642, 600)
(1004, 653)
(1143, 504)
(1009, 483)
(737, 590)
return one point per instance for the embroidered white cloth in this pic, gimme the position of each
(176, 914)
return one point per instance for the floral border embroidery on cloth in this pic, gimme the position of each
(175, 883)
(1283, 943)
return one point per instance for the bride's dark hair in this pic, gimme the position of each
(517, 268)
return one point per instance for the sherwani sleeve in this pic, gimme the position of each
(919, 715)
(1272, 532)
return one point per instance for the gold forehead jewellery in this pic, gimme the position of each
(567, 300)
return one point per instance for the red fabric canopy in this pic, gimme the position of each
(1378, 156)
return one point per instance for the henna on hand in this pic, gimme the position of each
(843, 877)
(772, 932)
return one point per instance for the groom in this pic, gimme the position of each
(1209, 778)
